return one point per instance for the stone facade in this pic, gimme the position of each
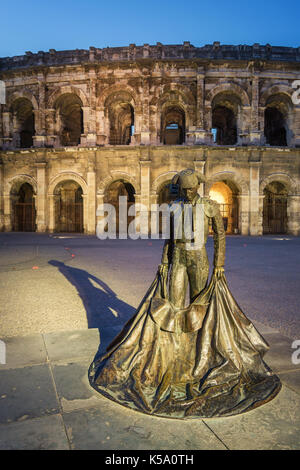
(138, 115)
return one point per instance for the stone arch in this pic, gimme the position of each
(115, 89)
(115, 176)
(184, 92)
(278, 115)
(160, 180)
(22, 94)
(21, 212)
(67, 175)
(64, 90)
(229, 87)
(14, 184)
(177, 102)
(234, 211)
(275, 89)
(283, 178)
(237, 180)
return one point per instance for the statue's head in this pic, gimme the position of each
(188, 181)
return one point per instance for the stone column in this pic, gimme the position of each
(199, 168)
(91, 201)
(145, 129)
(293, 214)
(102, 129)
(202, 132)
(51, 199)
(7, 212)
(145, 167)
(244, 213)
(7, 139)
(41, 197)
(255, 121)
(254, 212)
(51, 135)
(85, 213)
(88, 138)
(39, 139)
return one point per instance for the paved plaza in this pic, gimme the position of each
(64, 297)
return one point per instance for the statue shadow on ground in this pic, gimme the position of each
(104, 310)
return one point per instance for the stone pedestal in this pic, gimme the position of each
(201, 136)
(88, 140)
(39, 140)
(255, 138)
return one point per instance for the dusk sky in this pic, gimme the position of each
(36, 25)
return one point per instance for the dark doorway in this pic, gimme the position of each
(24, 210)
(275, 131)
(275, 209)
(173, 126)
(224, 121)
(69, 207)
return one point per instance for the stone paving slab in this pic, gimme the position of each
(273, 426)
(27, 393)
(46, 433)
(46, 402)
(25, 350)
(65, 345)
(111, 426)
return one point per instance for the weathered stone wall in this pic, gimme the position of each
(129, 95)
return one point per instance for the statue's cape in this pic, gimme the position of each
(202, 361)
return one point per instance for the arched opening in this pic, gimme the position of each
(225, 112)
(68, 207)
(277, 117)
(173, 126)
(225, 194)
(112, 194)
(23, 209)
(23, 123)
(69, 119)
(120, 112)
(275, 208)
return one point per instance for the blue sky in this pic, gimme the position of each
(40, 25)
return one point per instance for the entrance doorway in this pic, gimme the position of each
(69, 207)
(226, 195)
(24, 209)
(112, 194)
(275, 208)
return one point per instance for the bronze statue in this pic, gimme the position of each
(187, 264)
(200, 360)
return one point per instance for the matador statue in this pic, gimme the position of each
(191, 265)
(203, 359)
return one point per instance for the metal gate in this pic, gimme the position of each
(229, 213)
(275, 215)
(24, 217)
(71, 217)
